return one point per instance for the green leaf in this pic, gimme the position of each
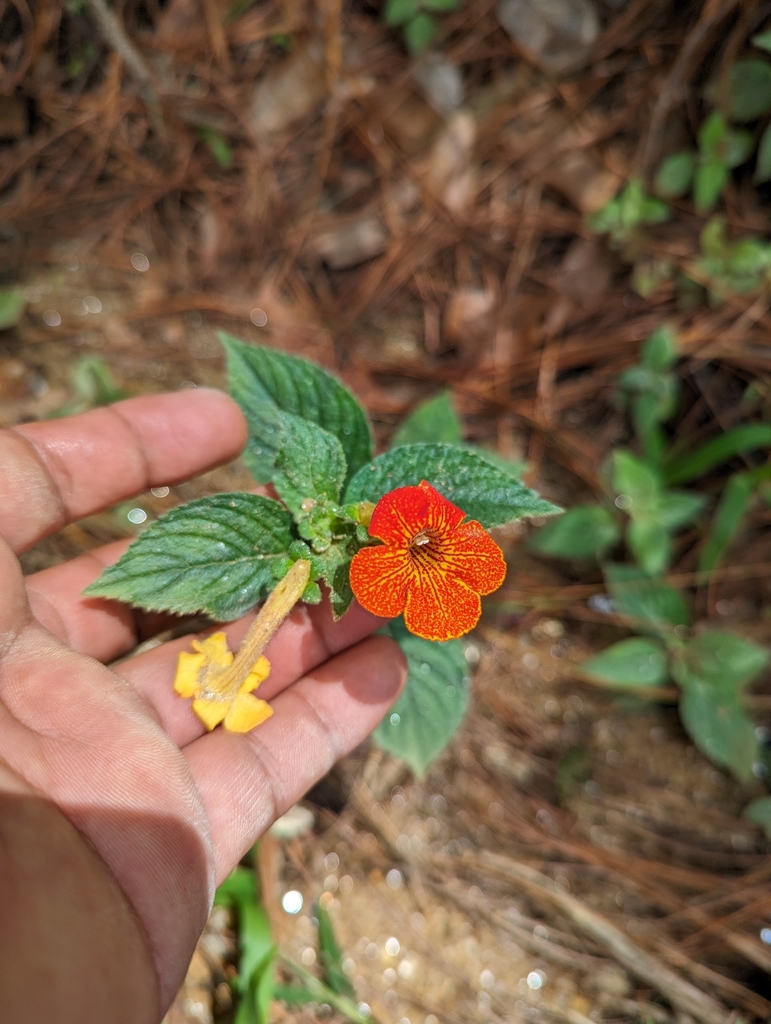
(429, 711)
(738, 147)
(213, 555)
(678, 508)
(293, 995)
(216, 144)
(749, 89)
(737, 441)
(511, 467)
(255, 938)
(728, 517)
(265, 382)
(648, 601)
(310, 465)
(674, 176)
(332, 955)
(464, 477)
(708, 183)
(635, 480)
(419, 32)
(336, 563)
(398, 12)
(660, 351)
(433, 420)
(638, 661)
(12, 306)
(650, 543)
(711, 135)
(763, 40)
(439, 5)
(712, 670)
(759, 811)
(763, 164)
(585, 531)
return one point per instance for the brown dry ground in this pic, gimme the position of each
(571, 857)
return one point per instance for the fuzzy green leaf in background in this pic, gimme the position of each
(427, 714)
(638, 661)
(584, 531)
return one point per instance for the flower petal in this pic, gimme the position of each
(259, 674)
(186, 682)
(215, 650)
(211, 712)
(443, 516)
(399, 515)
(470, 555)
(440, 607)
(379, 578)
(246, 712)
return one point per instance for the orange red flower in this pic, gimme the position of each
(432, 566)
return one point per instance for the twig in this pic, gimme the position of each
(115, 35)
(681, 994)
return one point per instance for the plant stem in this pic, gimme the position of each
(323, 993)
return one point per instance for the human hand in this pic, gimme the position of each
(161, 810)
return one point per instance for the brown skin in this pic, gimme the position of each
(118, 814)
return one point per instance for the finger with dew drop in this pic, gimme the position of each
(54, 472)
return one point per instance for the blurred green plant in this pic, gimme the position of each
(727, 267)
(416, 20)
(12, 306)
(256, 985)
(712, 668)
(93, 384)
(622, 217)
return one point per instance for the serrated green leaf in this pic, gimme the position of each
(212, 555)
(464, 477)
(336, 563)
(265, 382)
(432, 421)
(397, 12)
(759, 811)
(763, 163)
(712, 670)
(332, 955)
(12, 306)
(748, 95)
(638, 661)
(310, 465)
(649, 602)
(708, 183)
(419, 32)
(584, 531)
(432, 705)
(737, 441)
(674, 176)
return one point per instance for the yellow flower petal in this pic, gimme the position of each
(211, 712)
(186, 682)
(215, 650)
(258, 674)
(246, 712)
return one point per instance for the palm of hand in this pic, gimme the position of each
(167, 808)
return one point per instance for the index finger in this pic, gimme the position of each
(55, 472)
